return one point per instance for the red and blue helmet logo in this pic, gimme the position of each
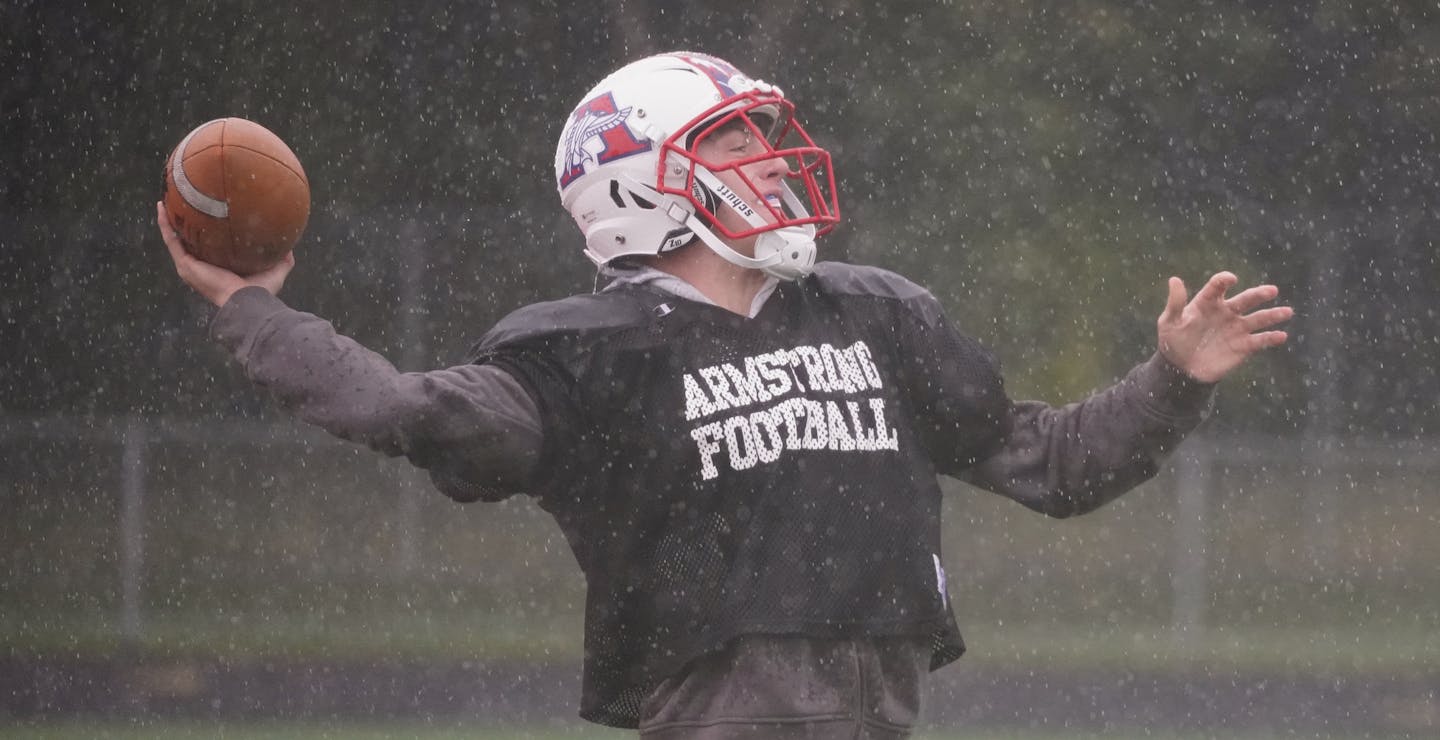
(597, 134)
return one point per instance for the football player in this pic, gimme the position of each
(739, 443)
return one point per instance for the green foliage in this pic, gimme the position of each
(1043, 168)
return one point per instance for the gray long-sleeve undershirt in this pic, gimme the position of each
(476, 429)
(472, 427)
(1072, 459)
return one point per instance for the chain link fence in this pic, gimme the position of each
(134, 530)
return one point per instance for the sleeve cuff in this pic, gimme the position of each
(237, 323)
(1169, 390)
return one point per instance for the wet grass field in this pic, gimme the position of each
(420, 731)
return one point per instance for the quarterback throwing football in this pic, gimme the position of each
(740, 444)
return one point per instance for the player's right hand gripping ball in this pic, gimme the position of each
(236, 195)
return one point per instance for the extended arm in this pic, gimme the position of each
(470, 424)
(473, 426)
(1070, 460)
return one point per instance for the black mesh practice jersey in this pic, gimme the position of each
(718, 475)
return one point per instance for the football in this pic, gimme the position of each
(237, 196)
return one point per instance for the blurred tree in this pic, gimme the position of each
(1041, 167)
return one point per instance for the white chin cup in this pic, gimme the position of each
(792, 250)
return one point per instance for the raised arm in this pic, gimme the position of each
(1070, 460)
(473, 427)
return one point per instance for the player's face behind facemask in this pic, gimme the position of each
(761, 177)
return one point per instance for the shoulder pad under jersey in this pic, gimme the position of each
(840, 278)
(572, 319)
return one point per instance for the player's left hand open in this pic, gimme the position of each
(216, 284)
(1211, 335)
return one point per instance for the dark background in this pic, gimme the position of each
(1042, 169)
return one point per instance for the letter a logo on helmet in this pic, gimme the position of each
(597, 133)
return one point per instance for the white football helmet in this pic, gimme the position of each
(627, 171)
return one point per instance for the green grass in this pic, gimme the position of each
(423, 731)
(1348, 650)
(308, 636)
(182, 730)
(1353, 649)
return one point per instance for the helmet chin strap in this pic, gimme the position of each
(787, 253)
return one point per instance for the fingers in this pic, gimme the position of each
(1264, 340)
(167, 232)
(184, 262)
(1175, 302)
(214, 283)
(1217, 286)
(1250, 299)
(1267, 318)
